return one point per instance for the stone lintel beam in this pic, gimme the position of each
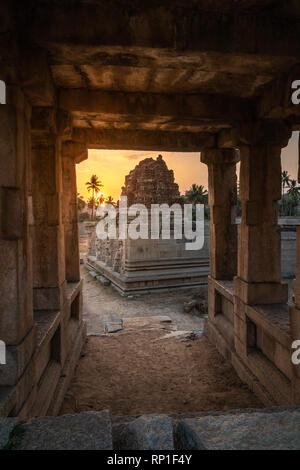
(144, 140)
(170, 25)
(74, 150)
(201, 106)
(276, 100)
(262, 132)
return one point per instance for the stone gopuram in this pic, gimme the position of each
(152, 264)
(151, 182)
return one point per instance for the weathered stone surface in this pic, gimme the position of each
(243, 431)
(222, 188)
(85, 431)
(148, 432)
(137, 139)
(6, 427)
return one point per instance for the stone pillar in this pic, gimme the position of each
(70, 219)
(16, 312)
(48, 234)
(222, 200)
(258, 280)
(72, 153)
(259, 273)
(294, 311)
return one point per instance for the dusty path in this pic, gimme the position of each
(135, 371)
(101, 302)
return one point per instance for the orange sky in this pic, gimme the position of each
(111, 166)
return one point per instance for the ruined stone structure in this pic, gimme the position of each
(209, 76)
(151, 183)
(152, 264)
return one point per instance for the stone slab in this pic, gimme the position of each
(148, 432)
(6, 427)
(84, 431)
(243, 431)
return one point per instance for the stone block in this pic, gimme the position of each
(7, 425)
(11, 214)
(294, 313)
(84, 431)
(8, 146)
(47, 298)
(242, 431)
(16, 316)
(148, 432)
(240, 328)
(17, 358)
(260, 292)
(48, 260)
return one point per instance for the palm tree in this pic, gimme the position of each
(94, 185)
(285, 180)
(110, 200)
(99, 200)
(196, 194)
(80, 202)
(294, 190)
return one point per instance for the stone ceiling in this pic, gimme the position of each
(215, 48)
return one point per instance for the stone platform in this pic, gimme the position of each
(148, 265)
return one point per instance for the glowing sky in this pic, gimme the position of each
(111, 166)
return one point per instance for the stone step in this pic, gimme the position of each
(244, 430)
(147, 432)
(276, 428)
(84, 431)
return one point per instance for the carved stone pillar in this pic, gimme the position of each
(258, 279)
(70, 215)
(222, 200)
(259, 272)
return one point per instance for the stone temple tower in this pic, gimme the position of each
(151, 182)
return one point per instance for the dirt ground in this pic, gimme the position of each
(130, 373)
(137, 371)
